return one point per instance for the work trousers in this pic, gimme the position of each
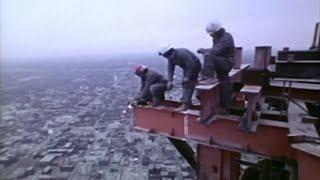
(188, 87)
(220, 66)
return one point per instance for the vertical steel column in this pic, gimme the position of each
(237, 57)
(316, 38)
(262, 57)
(308, 166)
(216, 164)
(209, 102)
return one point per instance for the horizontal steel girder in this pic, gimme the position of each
(270, 139)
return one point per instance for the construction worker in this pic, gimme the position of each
(153, 86)
(219, 60)
(191, 66)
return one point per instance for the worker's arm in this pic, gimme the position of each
(142, 84)
(171, 68)
(190, 66)
(145, 90)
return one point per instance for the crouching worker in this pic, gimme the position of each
(153, 86)
(191, 67)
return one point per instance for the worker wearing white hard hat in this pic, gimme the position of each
(191, 67)
(213, 26)
(165, 49)
(218, 60)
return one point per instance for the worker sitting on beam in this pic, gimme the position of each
(219, 60)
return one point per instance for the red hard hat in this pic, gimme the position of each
(140, 69)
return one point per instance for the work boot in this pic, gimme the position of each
(208, 81)
(156, 102)
(201, 78)
(183, 107)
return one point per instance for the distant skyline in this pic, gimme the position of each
(75, 28)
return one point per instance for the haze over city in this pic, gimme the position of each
(47, 29)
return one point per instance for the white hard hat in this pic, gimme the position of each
(165, 49)
(213, 26)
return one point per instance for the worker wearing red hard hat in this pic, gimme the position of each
(153, 86)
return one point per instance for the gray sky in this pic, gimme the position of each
(53, 28)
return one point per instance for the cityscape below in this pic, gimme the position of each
(70, 120)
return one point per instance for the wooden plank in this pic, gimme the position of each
(207, 87)
(300, 61)
(296, 83)
(251, 89)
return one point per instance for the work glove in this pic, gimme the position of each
(132, 103)
(185, 80)
(169, 85)
(201, 50)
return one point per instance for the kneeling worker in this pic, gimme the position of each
(191, 66)
(153, 86)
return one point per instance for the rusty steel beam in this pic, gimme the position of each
(216, 164)
(185, 150)
(209, 94)
(253, 95)
(237, 57)
(262, 57)
(309, 166)
(270, 138)
(295, 93)
(298, 55)
(163, 121)
(316, 38)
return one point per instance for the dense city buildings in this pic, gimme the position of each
(70, 120)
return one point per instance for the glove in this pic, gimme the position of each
(169, 85)
(132, 103)
(185, 80)
(201, 51)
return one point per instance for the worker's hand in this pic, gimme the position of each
(169, 85)
(185, 80)
(132, 103)
(206, 53)
(201, 50)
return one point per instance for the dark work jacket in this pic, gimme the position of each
(223, 45)
(185, 59)
(148, 79)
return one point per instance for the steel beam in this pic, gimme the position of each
(309, 166)
(306, 95)
(270, 138)
(262, 57)
(237, 57)
(216, 164)
(185, 150)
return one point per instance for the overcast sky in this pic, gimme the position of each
(54, 28)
